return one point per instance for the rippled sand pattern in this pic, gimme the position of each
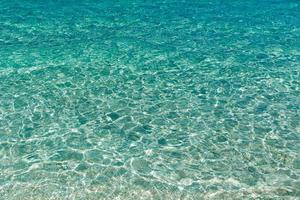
(149, 99)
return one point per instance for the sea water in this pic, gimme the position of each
(171, 99)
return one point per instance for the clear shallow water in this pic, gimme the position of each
(149, 100)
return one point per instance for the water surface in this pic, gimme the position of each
(170, 99)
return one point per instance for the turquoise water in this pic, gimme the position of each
(147, 99)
